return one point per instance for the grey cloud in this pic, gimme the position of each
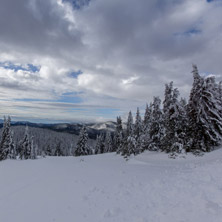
(111, 42)
(12, 84)
(36, 27)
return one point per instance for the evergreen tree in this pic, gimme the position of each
(129, 142)
(25, 146)
(12, 147)
(156, 128)
(48, 151)
(58, 150)
(99, 148)
(145, 138)
(218, 95)
(129, 127)
(7, 147)
(204, 111)
(108, 143)
(147, 118)
(132, 147)
(168, 97)
(33, 154)
(138, 131)
(220, 92)
(174, 122)
(82, 146)
(168, 111)
(118, 136)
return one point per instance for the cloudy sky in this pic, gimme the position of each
(91, 60)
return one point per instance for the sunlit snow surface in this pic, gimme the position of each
(148, 188)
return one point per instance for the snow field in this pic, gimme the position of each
(99, 188)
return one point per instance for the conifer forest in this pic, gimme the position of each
(175, 126)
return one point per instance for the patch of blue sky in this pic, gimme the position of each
(16, 67)
(32, 100)
(65, 98)
(33, 68)
(107, 112)
(75, 74)
(70, 99)
(219, 2)
(78, 4)
(213, 0)
(79, 110)
(190, 32)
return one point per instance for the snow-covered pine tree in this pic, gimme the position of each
(131, 146)
(118, 136)
(169, 123)
(184, 124)
(129, 141)
(156, 128)
(220, 91)
(129, 125)
(24, 148)
(168, 97)
(12, 147)
(6, 144)
(82, 146)
(204, 111)
(58, 150)
(147, 118)
(146, 127)
(33, 154)
(48, 151)
(99, 148)
(219, 96)
(174, 122)
(213, 109)
(138, 132)
(108, 143)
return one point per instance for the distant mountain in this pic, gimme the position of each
(103, 126)
(93, 129)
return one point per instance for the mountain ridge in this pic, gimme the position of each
(93, 129)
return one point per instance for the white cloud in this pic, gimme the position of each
(126, 50)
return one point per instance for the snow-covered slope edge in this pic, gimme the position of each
(148, 187)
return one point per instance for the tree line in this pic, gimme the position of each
(173, 126)
(18, 140)
(176, 127)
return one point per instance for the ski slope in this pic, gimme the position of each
(146, 188)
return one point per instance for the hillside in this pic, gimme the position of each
(148, 187)
(93, 129)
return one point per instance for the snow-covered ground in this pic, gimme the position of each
(148, 188)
